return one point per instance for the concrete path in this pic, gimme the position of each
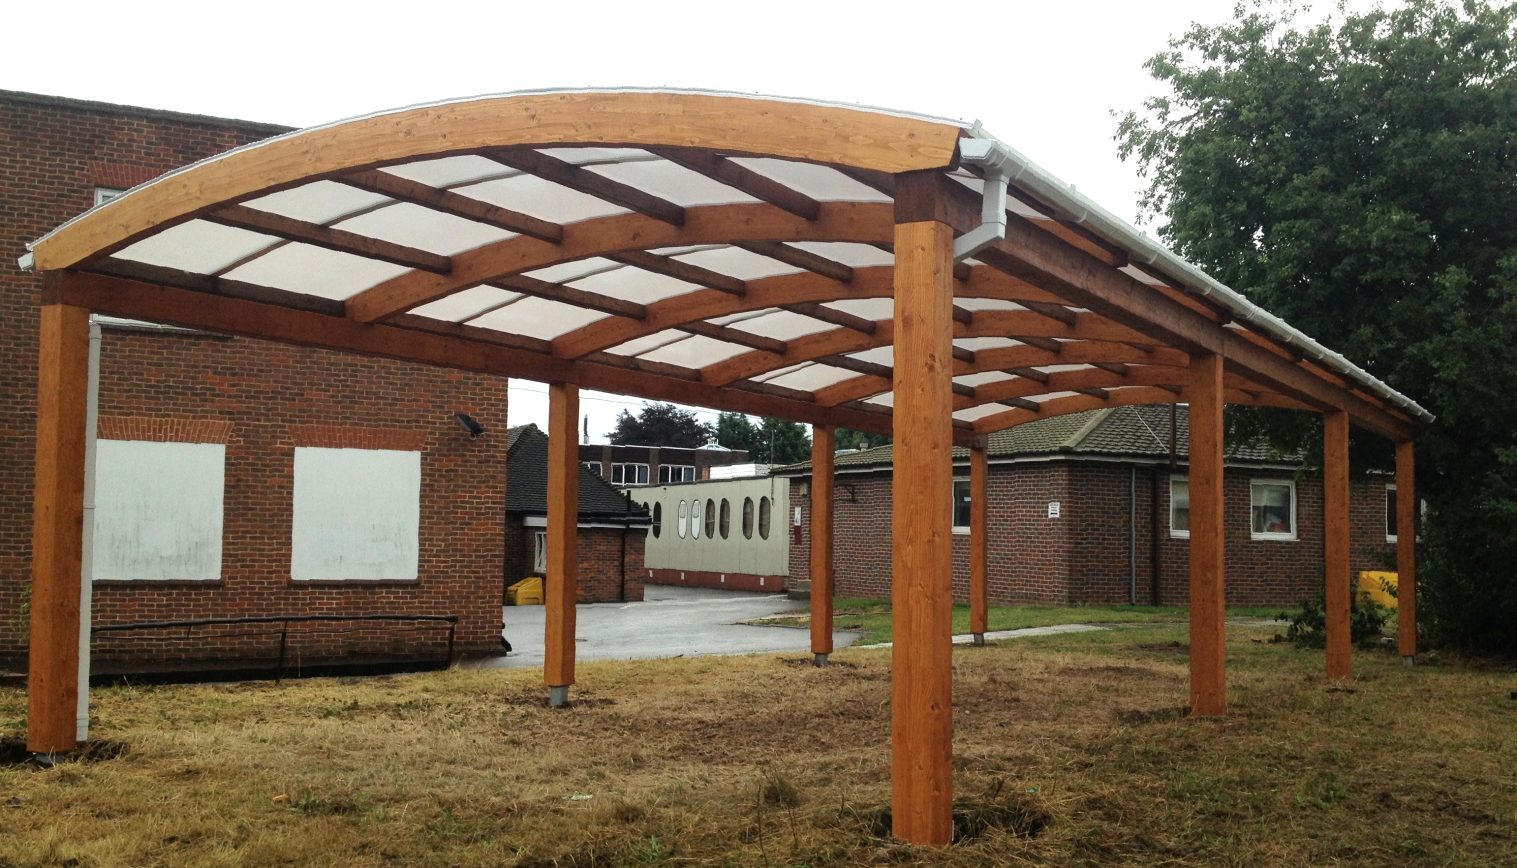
(670, 622)
(997, 635)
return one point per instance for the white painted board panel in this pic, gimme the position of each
(158, 510)
(357, 514)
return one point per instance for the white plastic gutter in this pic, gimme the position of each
(1076, 207)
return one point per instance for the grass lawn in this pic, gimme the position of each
(767, 761)
(872, 616)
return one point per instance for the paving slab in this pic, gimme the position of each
(670, 622)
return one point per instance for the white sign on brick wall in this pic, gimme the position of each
(1053, 509)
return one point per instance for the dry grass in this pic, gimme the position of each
(767, 761)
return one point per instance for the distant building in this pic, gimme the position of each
(612, 528)
(628, 466)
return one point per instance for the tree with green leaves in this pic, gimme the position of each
(660, 424)
(772, 441)
(847, 438)
(1359, 178)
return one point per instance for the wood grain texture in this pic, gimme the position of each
(1407, 508)
(979, 540)
(57, 529)
(823, 439)
(1335, 536)
(1208, 651)
(922, 560)
(561, 591)
(727, 124)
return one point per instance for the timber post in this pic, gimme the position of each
(562, 592)
(1406, 550)
(823, 438)
(1335, 521)
(1208, 647)
(979, 544)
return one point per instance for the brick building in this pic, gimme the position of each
(292, 444)
(1087, 508)
(612, 529)
(630, 465)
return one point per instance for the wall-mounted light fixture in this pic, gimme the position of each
(470, 424)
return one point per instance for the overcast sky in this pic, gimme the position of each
(1043, 77)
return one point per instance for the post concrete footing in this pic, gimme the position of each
(979, 638)
(821, 660)
(558, 697)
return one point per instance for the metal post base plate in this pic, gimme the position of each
(1410, 661)
(820, 661)
(558, 697)
(979, 638)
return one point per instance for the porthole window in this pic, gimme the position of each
(695, 519)
(764, 518)
(658, 519)
(684, 519)
(726, 523)
(747, 518)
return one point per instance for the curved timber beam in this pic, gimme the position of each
(1123, 397)
(728, 124)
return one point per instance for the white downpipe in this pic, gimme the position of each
(991, 157)
(87, 556)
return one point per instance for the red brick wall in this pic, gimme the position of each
(54, 153)
(601, 575)
(1082, 556)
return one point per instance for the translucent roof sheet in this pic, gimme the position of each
(449, 171)
(818, 182)
(545, 200)
(783, 325)
(319, 202)
(813, 377)
(198, 246)
(982, 378)
(316, 271)
(672, 182)
(467, 304)
(694, 352)
(739, 263)
(538, 318)
(633, 284)
(425, 229)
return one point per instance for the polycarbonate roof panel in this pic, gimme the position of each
(423, 228)
(538, 318)
(450, 171)
(696, 351)
(987, 304)
(467, 304)
(565, 272)
(739, 317)
(812, 378)
(782, 325)
(969, 414)
(198, 246)
(780, 372)
(878, 355)
(634, 284)
(545, 200)
(977, 344)
(737, 262)
(648, 343)
(848, 253)
(672, 182)
(869, 308)
(883, 399)
(1051, 396)
(585, 156)
(1139, 274)
(318, 202)
(316, 271)
(818, 182)
(1054, 369)
(984, 377)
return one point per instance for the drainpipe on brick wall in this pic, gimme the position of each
(1153, 509)
(87, 559)
(622, 596)
(1132, 535)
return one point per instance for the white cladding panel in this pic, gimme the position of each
(736, 553)
(158, 510)
(357, 514)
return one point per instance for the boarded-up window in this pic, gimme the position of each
(357, 514)
(158, 509)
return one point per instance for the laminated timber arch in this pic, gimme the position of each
(770, 256)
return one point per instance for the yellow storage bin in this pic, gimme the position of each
(527, 592)
(1380, 586)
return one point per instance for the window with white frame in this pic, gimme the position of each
(1272, 509)
(540, 552)
(158, 510)
(357, 515)
(695, 519)
(1390, 513)
(961, 517)
(1179, 507)
(592, 466)
(106, 194)
(626, 473)
(668, 473)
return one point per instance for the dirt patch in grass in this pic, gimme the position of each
(1067, 750)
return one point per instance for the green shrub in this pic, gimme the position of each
(1307, 627)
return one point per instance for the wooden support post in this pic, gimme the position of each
(1406, 549)
(562, 591)
(58, 530)
(823, 438)
(979, 544)
(921, 524)
(1335, 518)
(1208, 648)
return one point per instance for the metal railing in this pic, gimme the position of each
(284, 622)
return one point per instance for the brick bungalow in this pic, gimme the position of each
(1089, 508)
(282, 439)
(612, 529)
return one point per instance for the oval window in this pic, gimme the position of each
(684, 520)
(726, 517)
(747, 518)
(711, 511)
(695, 519)
(658, 519)
(764, 518)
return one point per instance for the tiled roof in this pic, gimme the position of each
(1133, 431)
(527, 481)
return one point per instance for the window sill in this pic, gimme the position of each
(155, 583)
(1273, 537)
(961, 531)
(1179, 534)
(352, 583)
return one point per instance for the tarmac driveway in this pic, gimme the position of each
(670, 622)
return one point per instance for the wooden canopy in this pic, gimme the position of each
(775, 257)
